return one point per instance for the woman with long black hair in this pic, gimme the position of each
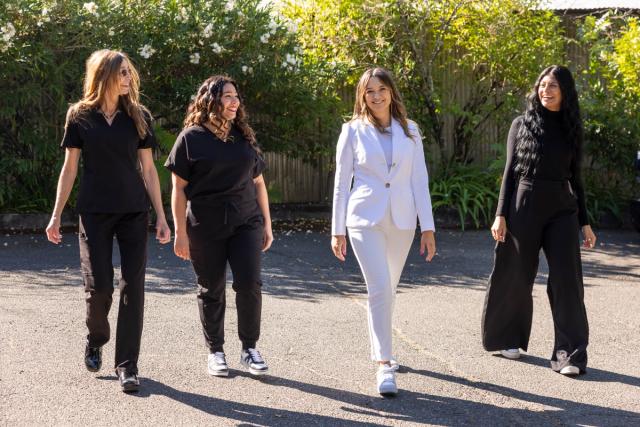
(221, 213)
(112, 132)
(541, 205)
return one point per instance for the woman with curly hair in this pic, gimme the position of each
(221, 213)
(112, 132)
(541, 205)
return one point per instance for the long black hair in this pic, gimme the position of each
(527, 148)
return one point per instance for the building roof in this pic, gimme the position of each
(589, 4)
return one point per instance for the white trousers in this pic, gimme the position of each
(381, 251)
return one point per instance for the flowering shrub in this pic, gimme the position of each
(175, 44)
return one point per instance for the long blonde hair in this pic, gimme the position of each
(398, 110)
(103, 75)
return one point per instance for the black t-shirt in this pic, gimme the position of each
(220, 174)
(111, 179)
(558, 161)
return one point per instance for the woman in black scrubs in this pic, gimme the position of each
(541, 205)
(221, 212)
(111, 131)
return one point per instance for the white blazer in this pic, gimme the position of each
(359, 155)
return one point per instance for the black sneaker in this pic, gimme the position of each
(253, 361)
(93, 358)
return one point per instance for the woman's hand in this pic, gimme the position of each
(339, 246)
(499, 229)
(428, 242)
(589, 241)
(267, 238)
(53, 230)
(163, 232)
(181, 246)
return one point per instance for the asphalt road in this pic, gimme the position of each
(314, 339)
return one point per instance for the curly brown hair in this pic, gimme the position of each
(207, 105)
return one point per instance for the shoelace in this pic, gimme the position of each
(255, 355)
(219, 358)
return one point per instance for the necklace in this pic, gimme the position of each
(108, 117)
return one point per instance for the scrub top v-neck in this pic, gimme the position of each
(219, 174)
(111, 180)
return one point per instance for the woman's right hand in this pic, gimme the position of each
(53, 230)
(499, 229)
(339, 246)
(181, 246)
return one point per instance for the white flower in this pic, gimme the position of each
(91, 8)
(273, 27)
(285, 64)
(8, 32)
(194, 58)
(265, 37)
(247, 70)
(146, 51)
(260, 58)
(111, 32)
(45, 16)
(291, 59)
(231, 4)
(217, 48)
(183, 15)
(208, 31)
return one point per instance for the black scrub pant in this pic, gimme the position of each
(542, 214)
(96, 245)
(211, 248)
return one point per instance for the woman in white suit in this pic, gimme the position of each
(382, 152)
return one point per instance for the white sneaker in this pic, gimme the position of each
(570, 370)
(511, 353)
(217, 365)
(386, 377)
(253, 361)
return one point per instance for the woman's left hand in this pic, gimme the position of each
(428, 242)
(267, 238)
(163, 232)
(589, 241)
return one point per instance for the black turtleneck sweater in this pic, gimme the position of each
(557, 162)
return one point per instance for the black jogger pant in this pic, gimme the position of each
(241, 247)
(96, 245)
(542, 214)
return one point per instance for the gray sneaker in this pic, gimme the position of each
(386, 377)
(253, 361)
(217, 365)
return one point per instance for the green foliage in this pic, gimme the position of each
(470, 60)
(609, 85)
(175, 44)
(470, 190)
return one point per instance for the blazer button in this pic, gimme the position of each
(393, 164)
(387, 185)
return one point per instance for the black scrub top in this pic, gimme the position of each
(111, 180)
(220, 175)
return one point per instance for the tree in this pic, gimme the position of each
(496, 46)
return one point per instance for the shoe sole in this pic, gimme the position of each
(91, 369)
(130, 388)
(219, 373)
(389, 393)
(569, 372)
(257, 372)
(511, 356)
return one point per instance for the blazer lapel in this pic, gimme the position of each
(373, 138)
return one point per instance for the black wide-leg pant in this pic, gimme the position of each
(97, 231)
(542, 214)
(241, 247)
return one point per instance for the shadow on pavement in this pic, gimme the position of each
(408, 406)
(592, 375)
